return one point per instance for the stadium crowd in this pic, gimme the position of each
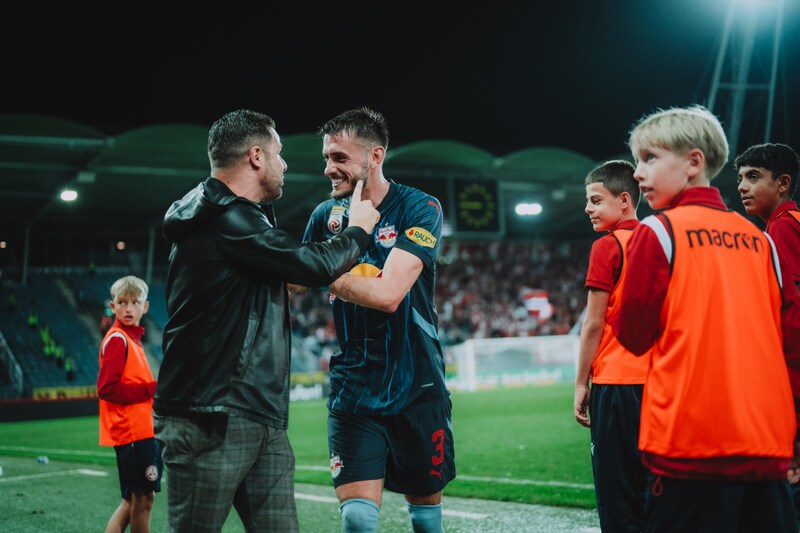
(482, 291)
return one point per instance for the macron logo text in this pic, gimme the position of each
(725, 239)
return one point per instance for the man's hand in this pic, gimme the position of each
(362, 214)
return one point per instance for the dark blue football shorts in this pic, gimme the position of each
(140, 467)
(413, 450)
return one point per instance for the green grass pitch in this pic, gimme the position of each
(512, 445)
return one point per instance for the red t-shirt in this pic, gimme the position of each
(605, 260)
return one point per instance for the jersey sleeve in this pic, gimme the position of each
(785, 233)
(790, 328)
(422, 228)
(604, 264)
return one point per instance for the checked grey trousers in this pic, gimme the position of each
(215, 461)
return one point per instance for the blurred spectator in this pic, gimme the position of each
(49, 348)
(12, 302)
(58, 354)
(69, 367)
(106, 320)
(44, 334)
(33, 319)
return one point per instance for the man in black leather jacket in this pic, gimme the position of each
(222, 399)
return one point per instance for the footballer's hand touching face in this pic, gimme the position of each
(362, 213)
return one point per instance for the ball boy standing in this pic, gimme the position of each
(617, 377)
(705, 292)
(125, 386)
(767, 175)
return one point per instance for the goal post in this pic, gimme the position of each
(512, 361)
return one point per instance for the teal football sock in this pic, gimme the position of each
(426, 518)
(359, 515)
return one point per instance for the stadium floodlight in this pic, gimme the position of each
(736, 77)
(69, 195)
(528, 209)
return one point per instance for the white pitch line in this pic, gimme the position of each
(315, 498)
(509, 481)
(53, 451)
(499, 480)
(53, 474)
(464, 514)
(312, 468)
(95, 473)
(457, 514)
(448, 512)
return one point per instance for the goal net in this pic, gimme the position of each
(512, 361)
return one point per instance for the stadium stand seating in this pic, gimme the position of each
(47, 297)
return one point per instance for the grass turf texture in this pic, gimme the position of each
(518, 445)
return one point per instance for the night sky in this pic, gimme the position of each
(504, 76)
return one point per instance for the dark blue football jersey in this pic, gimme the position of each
(387, 360)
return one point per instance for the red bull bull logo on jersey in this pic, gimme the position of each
(386, 236)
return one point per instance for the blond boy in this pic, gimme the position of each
(125, 386)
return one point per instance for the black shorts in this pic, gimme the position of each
(140, 467)
(620, 478)
(688, 505)
(413, 451)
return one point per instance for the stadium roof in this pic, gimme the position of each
(126, 182)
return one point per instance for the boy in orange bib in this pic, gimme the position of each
(125, 386)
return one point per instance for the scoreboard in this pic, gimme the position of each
(476, 207)
(472, 206)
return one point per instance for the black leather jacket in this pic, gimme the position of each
(227, 343)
